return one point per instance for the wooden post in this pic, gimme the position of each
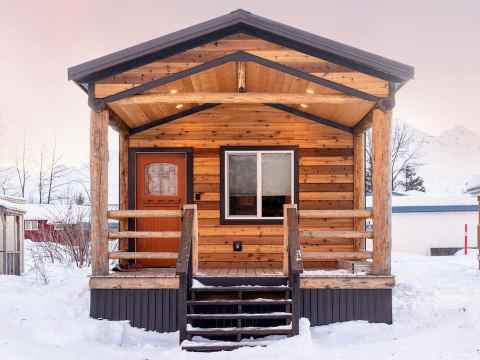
(124, 139)
(359, 185)
(382, 192)
(99, 191)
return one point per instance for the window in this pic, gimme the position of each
(58, 226)
(31, 225)
(257, 183)
(161, 179)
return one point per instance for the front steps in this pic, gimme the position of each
(237, 313)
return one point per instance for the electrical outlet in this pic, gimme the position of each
(237, 245)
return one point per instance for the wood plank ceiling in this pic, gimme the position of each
(259, 79)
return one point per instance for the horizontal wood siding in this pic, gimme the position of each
(150, 309)
(325, 177)
(326, 306)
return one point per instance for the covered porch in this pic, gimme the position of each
(242, 180)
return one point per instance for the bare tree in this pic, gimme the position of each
(21, 169)
(55, 178)
(41, 177)
(6, 181)
(406, 147)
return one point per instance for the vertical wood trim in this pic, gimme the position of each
(124, 139)
(359, 184)
(99, 191)
(382, 194)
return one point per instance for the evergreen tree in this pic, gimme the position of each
(412, 182)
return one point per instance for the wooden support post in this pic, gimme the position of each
(359, 185)
(124, 139)
(382, 192)
(99, 191)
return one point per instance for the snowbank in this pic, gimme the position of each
(436, 314)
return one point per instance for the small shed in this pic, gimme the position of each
(11, 235)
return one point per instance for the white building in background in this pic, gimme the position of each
(423, 224)
(11, 235)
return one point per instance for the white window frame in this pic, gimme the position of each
(259, 154)
(28, 225)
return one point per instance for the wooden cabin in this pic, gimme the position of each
(11, 235)
(241, 163)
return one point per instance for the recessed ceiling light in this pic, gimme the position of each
(179, 106)
(310, 91)
(173, 91)
(304, 106)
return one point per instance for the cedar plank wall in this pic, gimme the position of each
(326, 177)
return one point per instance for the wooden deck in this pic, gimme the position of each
(166, 278)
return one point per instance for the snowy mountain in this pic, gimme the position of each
(449, 159)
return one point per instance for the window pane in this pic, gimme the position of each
(161, 179)
(276, 183)
(242, 184)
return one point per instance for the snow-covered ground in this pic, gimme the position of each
(436, 316)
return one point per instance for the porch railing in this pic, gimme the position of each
(356, 214)
(136, 214)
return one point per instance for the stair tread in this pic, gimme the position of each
(277, 330)
(241, 288)
(240, 302)
(221, 345)
(271, 315)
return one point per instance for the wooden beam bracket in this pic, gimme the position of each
(386, 104)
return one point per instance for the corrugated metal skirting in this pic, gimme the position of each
(326, 306)
(151, 309)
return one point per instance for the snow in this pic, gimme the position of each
(12, 203)
(54, 213)
(415, 198)
(436, 316)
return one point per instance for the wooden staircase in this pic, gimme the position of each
(229, 313)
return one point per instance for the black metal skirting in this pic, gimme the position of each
(326, 306)
(150, 309)
(156, 309)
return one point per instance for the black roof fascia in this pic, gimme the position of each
(241, 22)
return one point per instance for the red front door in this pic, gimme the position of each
(161, 180)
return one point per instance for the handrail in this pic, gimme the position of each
(184, 265)
(142, 213)
(185, 246)
(295, 262)
(353, 213)
(294, 250)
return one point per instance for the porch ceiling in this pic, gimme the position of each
(144, 108)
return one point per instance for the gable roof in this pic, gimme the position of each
(241, 21)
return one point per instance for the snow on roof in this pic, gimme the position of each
(12, 203)
(414, 201)
(58, 213)
(472, 185)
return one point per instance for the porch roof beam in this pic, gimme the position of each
(239, 98)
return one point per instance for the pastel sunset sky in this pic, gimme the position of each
(40, 39)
